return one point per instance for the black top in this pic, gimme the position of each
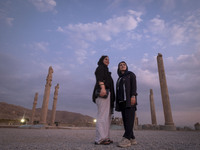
(126, 88)
(103, 75)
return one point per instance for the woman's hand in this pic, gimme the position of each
(133, 100)
(103, 89)
(103, 92)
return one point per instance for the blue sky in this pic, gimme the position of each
(72, 35)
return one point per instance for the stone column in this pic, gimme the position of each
(152, 107)
(164, 92)
(33, 109)
(135, 122)
(43, 119)
(53, 114)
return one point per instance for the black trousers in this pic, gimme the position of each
(128, 116)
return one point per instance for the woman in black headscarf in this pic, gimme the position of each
(126, 101)
(104, 97)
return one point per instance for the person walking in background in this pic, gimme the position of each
(126, 101)
(104, 97)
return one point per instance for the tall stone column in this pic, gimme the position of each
(152, 107)
(43, 119)
(164, 92)
(53, 114)
(33, 109)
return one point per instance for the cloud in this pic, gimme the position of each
(168, 5)
(81, 55)
(44, 5)
(42, 46)
(183, 73)
(157, 25)
(5, 18)
(178, 35)
(38, 46)
(175, 33)
(83, 36)
(147, 77)
(185, 62)
(9, 21)
(103, 31)
(60, 29)
(121, 45)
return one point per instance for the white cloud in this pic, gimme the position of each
(192, 24)
(61, 72)
(38, 46)
(104, 31)
(135, 36)
(5, 18)
(147, 77)
(122, 45)
(82, 34)
(9, 21)
(81, 55)
(145, 58)
(189, 62)
(41, 46)
(44, 5)
(157, 25)
(137, 14)
(60, 29)
(176, 32)
(178, 35)
(147, 74)
(119, 24)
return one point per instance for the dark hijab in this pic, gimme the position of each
(119, 72)
(100, 62)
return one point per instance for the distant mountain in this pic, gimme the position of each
(13, 113)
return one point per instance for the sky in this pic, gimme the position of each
(72, 35)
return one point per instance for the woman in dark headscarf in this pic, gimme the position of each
(126, 101)
(104, 97)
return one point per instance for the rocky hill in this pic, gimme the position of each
(13, 113)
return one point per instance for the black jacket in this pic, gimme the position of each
(129, 80)
(103, 75)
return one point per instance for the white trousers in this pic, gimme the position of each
(103, 119)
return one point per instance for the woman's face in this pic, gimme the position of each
(122, 67)
(106, 61)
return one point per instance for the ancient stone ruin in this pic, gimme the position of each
(169, 124)
(53, 115)
(43, 119)
(152, 107)
(33, 109)
(197, 126)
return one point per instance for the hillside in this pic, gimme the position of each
(13, 113)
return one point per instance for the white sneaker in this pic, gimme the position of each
(133, 141)
(124, 143)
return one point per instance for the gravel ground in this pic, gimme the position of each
(68, 139)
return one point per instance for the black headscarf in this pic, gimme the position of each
(100, 62)
(119, 72)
